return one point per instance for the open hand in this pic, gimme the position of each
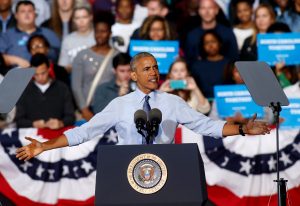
(27, 152)
(253, 127)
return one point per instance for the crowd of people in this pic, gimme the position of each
(80, 50)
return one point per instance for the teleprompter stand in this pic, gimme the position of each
(266, 91)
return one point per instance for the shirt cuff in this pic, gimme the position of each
(72, 140)
(219, 128)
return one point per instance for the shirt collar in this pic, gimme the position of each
(141, 95)
(7, 19)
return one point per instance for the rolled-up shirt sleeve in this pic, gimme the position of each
(96, 127)
(198, 122)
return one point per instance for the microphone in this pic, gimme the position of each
(155, 117)
(140, 119)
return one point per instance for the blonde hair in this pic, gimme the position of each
(269, 8)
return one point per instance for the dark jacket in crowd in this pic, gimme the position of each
(34, 105)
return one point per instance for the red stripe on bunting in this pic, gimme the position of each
(17, 199)
(51, 133)
(223, 197)
(178, 136)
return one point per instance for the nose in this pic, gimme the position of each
(152, 71)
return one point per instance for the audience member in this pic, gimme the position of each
(264, 16)
(14, 41)
(208, 10)
(208, 72)
(292, 17)
(61, 17)
(155, 8)
(281, 6)
(118, 86)
(124, 26)
(39, 44)
(45, 103)
(190, 92)
(286, 75)
(88, 63)
(244, 26)
(7, 18)
(42, 10)
(156, 28)
(81, 38)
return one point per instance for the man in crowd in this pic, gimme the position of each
(45, 103)
(118, 86)
(120, 111)
(13, 42)
(208, 11)
(7, 19)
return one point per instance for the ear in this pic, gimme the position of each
(133, 76)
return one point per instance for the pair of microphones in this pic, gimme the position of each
(149, 123)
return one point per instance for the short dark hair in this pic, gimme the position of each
(121, 59)
(279, 27)
(39, 59)
(104, 17)
(138, 56)
(24, 2)
(37, 36)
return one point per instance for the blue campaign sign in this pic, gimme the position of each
(165, 52)
(233, 99)
(291, 115)
(283, 47)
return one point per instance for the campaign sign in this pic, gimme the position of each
(233, 99)
(283, 47)
(291, 115)
(165, 52)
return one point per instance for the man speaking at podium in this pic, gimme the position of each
(120, 113)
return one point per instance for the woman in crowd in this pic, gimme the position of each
(87, 64)
(244, 26)
(156, 28)
(264, 16)
(61, 14)
(190, 91)
(81, 38)
(208, 71)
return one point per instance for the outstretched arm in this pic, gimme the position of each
(251, 127)
(36, 147)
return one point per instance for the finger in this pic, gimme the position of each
(30, 139)
(28, 158)
(253, 117)
(20, 149)
(21, 154)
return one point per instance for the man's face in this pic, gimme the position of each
(122, 73)
(41, 75)
(25, 15)
(208, 10)
(155, 8)
(5, 5)
(146, 74)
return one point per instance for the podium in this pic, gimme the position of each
(156, 175)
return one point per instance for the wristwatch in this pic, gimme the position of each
(241, 130)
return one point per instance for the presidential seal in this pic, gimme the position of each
(147, 173)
